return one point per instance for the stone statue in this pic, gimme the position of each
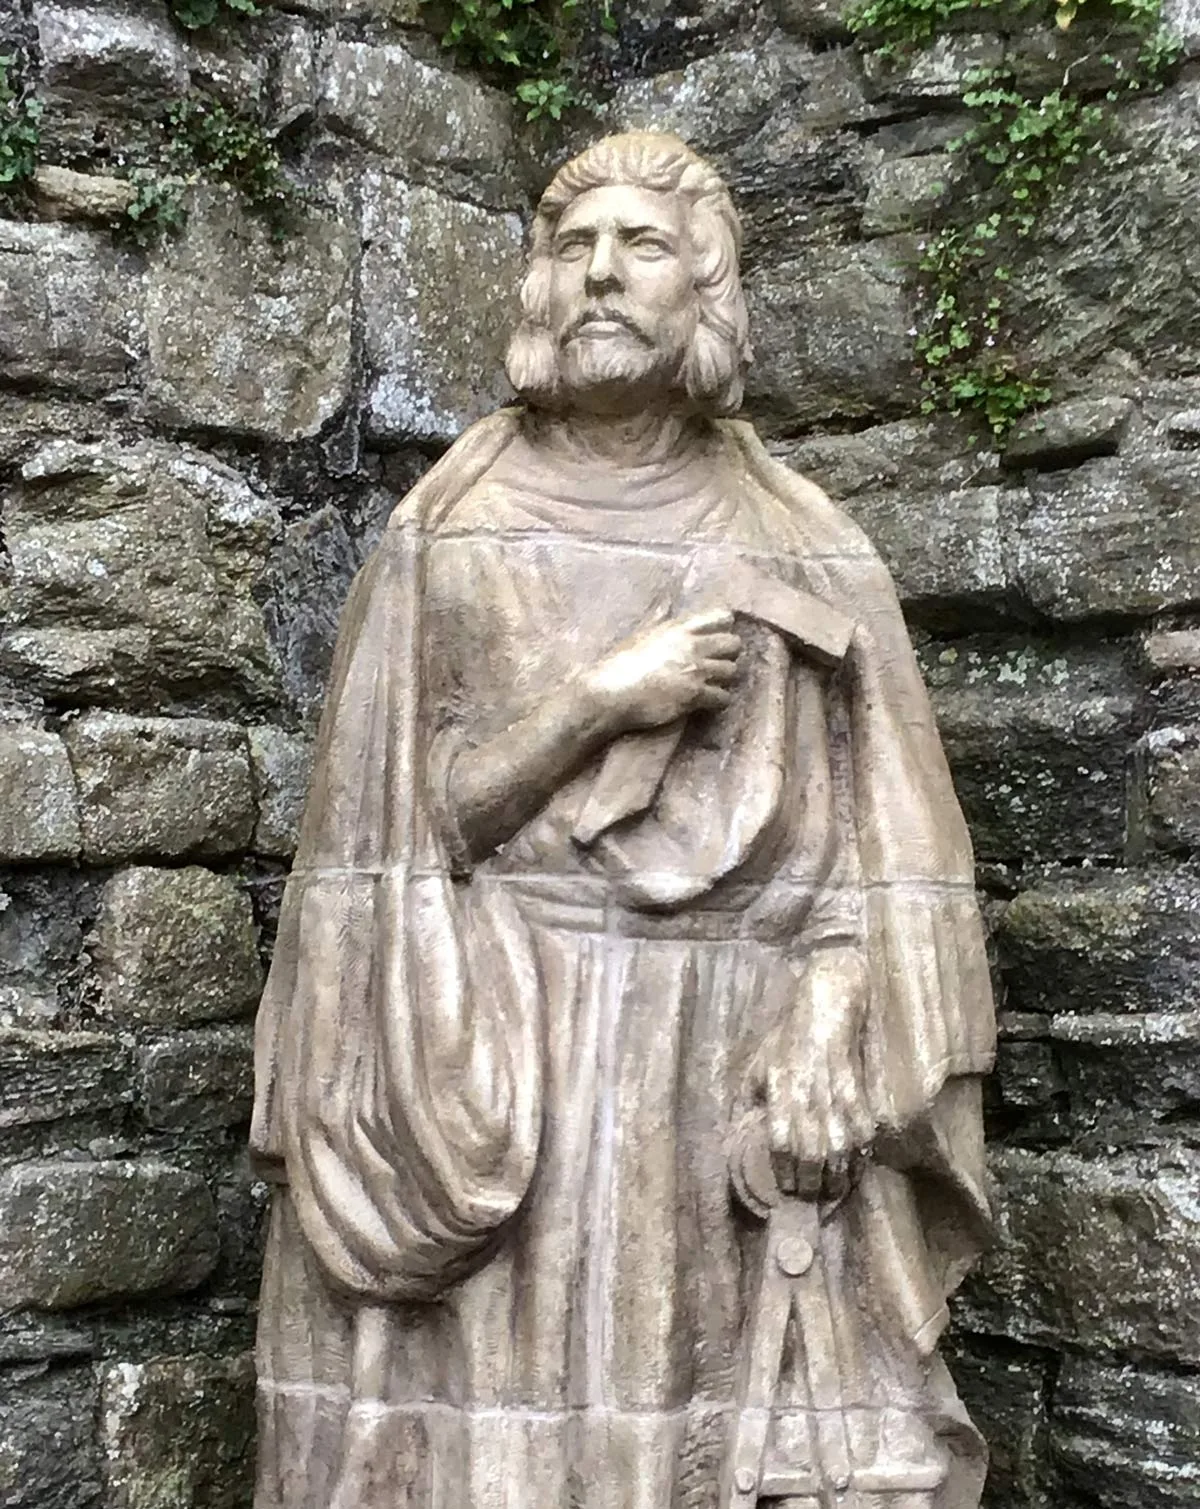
(619, 1063)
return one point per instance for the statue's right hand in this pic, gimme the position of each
(682, 666)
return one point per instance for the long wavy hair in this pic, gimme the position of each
(713, 371)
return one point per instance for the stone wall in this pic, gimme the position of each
(198, 444)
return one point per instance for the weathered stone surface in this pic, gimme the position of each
(1113, 536)
(48, 1075)
(1108, 941)
(175, 947)
(1118, 265)
(247, 335)
(198, 1080)
(1164, 811)
(39, 817)
(830, 332)
(1128, 1079)
(940, 71)
(948, 552)
(711, 103)
(1166, 651)
(70, 308)
(79, 1233)
(1136, 1430)
(67, 195)
(902, 191)
(282, 763)
(824, 20)
(916, 456)
(1069, 433)
(41, 937)
(434, 341)
(1036, 736)
(110, 59)
(132, 578)
(179, 1433)
(1004, 1388)
(50, 1457)
(161, 787)
(426, 121)
(1102, 1254)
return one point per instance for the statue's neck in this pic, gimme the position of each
(647, 439)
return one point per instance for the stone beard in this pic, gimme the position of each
(619, 1064)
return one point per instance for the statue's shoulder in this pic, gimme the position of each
(818, 520)
(471, 455)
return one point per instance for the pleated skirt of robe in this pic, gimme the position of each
(590, 1362)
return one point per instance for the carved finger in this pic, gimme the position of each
(713, 698)
(710, 618)
(721, 671)
(719, 646)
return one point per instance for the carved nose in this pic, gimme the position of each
(602, 274)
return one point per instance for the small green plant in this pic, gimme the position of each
(20, 116)
(526, 44)
(157, 208)
(545, 97)
(194, 15)
(211, 142)
(1020, 148)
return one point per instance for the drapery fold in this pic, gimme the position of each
(399, 1054)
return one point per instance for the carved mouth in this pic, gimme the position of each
(606, 324)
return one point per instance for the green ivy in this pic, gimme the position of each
(194, 15)
(1021, 147)
(527, 45)
(157, 208)
(20, 116)
(210, 142)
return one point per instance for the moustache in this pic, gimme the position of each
(608, 317)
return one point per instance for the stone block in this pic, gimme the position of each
(1114, 536)
(50, 1455)
(1128, 1079)
(1164, 815)
(429, 123)
(1036, 736)
(917, 456)
(66, 195)
(108, 72)
(174, 948)
(831, 336)
(282, 764)
(199, 1080)
(948, 552)
(439, 289)
(39, 817)
(45, 1076)
(902, 192)
(245, 334)
(711, 103)
(71, 311)
(132, 579)
(1069, 433)
(1135, 1429)
(41, 936)
(179, 1433)
(1005, 1390)
(1102, 941)
(941, 71)
(1103, 1254)
(83, 1233)
(161, 787)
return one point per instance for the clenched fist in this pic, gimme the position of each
(808, 1076)
(683, 666)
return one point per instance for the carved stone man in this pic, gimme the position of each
(619, 1062)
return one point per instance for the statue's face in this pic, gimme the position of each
(623, 302)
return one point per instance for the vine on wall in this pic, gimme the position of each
(528, 45)
(1022, 146)
(20, 132)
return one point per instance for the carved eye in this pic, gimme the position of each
(572, 248)
(652, 247)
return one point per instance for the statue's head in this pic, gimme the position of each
(633, 292)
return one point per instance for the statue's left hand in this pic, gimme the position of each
(808, 1076)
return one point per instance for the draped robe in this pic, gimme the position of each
(506, 1267)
